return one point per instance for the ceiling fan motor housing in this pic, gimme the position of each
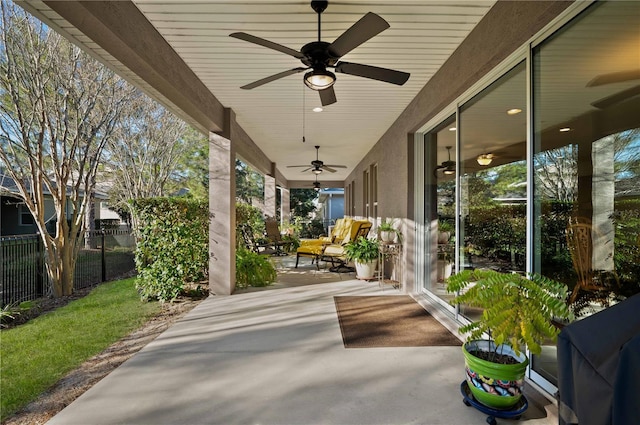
(317, 55)
(319, 6)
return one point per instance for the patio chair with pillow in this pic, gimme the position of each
(335, 253)
(313, 247)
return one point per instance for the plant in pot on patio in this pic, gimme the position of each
(445, 229)
(518, 311)
(364, 254)
(388, 232)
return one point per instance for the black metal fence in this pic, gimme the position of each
(105, 255)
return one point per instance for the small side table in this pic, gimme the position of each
(392, 251)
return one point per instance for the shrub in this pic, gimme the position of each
(313, 229)
(253, 269)
(173, 245)
(249, 216)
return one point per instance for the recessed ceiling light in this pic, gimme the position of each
(452, 129)
(318, 109)
(514, 111)
(565, 129)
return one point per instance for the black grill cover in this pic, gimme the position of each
(599, 367)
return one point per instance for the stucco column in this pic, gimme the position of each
(285, 206)
(222, 227)
(270, 196)
(603, 193)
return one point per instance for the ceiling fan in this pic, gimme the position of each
(616, 77)
(319, 55)
(317, 166)
(448, 166)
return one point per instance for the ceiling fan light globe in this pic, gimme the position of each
(319, 79)
(449, 171)
(317, 171)
(484, 159)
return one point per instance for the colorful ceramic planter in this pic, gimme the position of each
(493, 384)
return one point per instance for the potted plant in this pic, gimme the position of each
(518, 311)
(445, 261)
(364, 254)
(388, 232)
(445, 229)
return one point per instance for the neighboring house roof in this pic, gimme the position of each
(628, 188)
(9, 187)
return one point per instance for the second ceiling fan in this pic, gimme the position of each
(317, 166)
(319, 55)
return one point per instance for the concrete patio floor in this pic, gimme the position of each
(275, 356)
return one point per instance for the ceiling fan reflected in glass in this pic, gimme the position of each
(316, 185)
(448, 167)
(318, 56)
(616, 77)
(317, 166)
(485, 159)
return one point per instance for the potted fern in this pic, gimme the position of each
(364, 254)
(388, 232)
(518, 312)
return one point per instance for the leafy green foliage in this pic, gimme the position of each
(249, 216)
(301, 202)
(249, 183)
(627, 246)
(193, 165)
(172, 247)
(495, 231)
(253, 269)
(313, 229)
(518, 310)
(11, 311)
(362, 250)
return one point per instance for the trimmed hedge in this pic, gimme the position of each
(173, 245)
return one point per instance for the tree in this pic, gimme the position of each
(142, 160)
(557, 173)
(557, 169)
(301, 202)
(193, 166)
(59, 109)
(249, 183)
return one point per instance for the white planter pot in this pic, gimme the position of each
(444, 270)
(365, 271)
(387, 236)
(443, 237)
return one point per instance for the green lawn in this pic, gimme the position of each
(37, 354)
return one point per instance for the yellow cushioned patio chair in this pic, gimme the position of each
(335, 253)
(313, 247)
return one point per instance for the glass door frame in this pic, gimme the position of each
(524, 53)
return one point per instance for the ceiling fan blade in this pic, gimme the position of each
(329, 169)
(327, 96)
(306, 169)
(336, 166)
(272, 78)
(617, 98)
(614, 77)
(367, 27)
(298, 166)
(375, 73)
(266, 43)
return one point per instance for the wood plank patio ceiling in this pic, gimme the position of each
(423, 34)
